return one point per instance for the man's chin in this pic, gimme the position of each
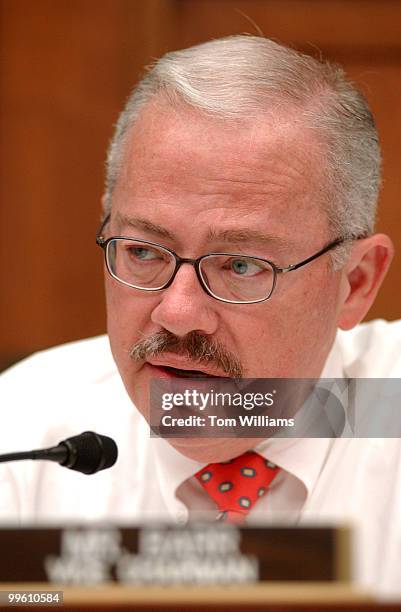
(212, 450)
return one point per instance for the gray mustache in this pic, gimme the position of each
(195, 346)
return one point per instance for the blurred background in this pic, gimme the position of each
(67, 68)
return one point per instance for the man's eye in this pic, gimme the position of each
(244, 267)
(144, 254)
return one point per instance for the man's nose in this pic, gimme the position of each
(185, 306)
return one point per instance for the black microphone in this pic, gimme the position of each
(88, 453)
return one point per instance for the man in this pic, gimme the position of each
(249, 151)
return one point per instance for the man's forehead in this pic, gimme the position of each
(207, 165)
(184, 131)
(177, 157)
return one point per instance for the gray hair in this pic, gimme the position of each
(243, 76)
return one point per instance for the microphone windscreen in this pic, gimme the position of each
(90, 452)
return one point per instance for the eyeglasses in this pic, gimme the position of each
(228, 277)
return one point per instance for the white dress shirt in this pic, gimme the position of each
(76, 387)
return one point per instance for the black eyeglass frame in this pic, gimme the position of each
(179, 261)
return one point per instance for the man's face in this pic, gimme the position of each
(199, 185)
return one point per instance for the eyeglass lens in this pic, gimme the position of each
(233, 278)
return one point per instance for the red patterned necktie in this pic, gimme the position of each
(236, 485)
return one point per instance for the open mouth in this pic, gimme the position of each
(187, 373)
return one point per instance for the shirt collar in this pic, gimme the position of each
(173, 469)
(305, 457)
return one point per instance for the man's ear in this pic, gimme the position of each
(362, 276)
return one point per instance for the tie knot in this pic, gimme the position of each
(236, 485)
